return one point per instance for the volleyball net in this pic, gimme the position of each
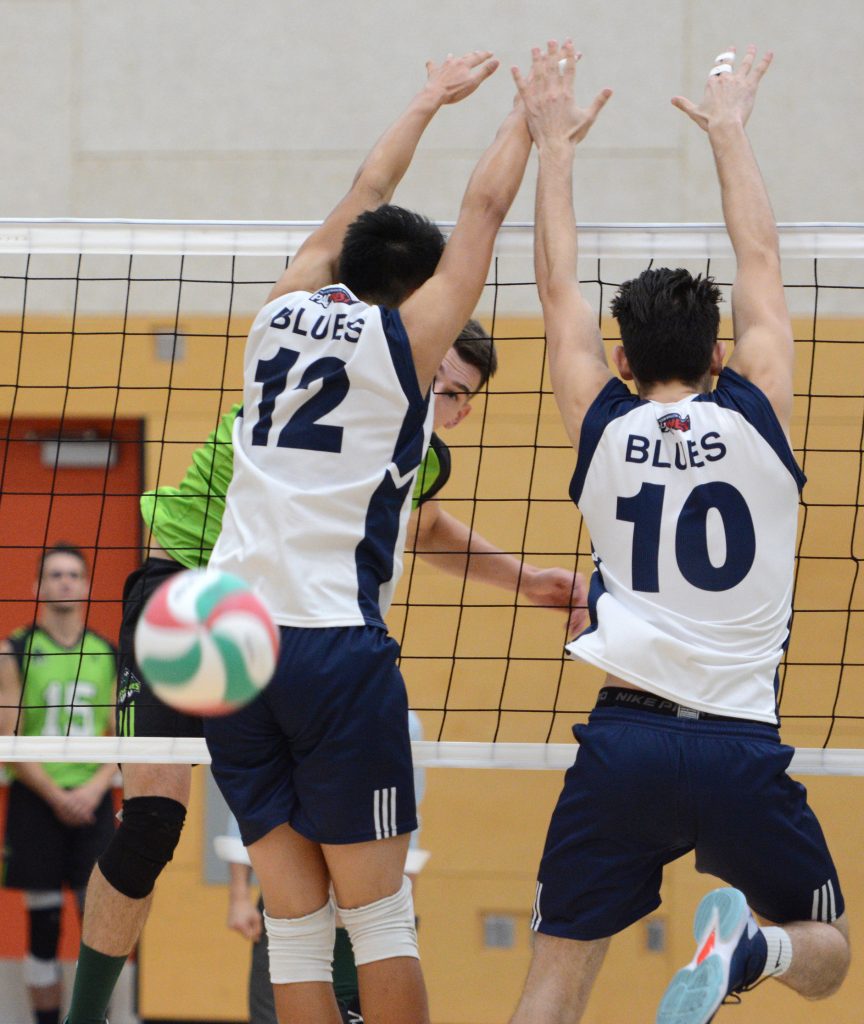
(121, 346)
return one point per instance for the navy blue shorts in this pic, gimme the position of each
(646, 789)
(325, 747)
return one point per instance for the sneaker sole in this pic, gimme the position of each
(697, 990)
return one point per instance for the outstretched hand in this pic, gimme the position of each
(729, 96)
(547, 95)
(457, 77)
(558, 588)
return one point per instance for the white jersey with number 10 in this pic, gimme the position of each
(692, 509)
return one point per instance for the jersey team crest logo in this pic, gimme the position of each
(326, 296)
(674, 421)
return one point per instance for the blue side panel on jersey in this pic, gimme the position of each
(614, 400)
(400, 353)
(374, 554)
(596, 589)
(411, 444)
(736, 392)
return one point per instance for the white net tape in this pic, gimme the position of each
(283, 238)
(427, 754)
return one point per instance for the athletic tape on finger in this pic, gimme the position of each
(725, 58)
(722, 69)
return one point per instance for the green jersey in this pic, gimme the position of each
(65, 691)
(186, 520)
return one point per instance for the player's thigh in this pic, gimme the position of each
(173, 781)
(616, 824)
(292, 872)
(363, 873)
(354, 774)
(758, 833)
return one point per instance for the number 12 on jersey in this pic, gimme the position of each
(302, 429)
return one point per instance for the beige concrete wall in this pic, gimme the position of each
(263, 109)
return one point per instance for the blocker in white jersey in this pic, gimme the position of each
(692, 508)
(332, 431)
(690, 494)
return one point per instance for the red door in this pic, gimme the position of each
(77, 482)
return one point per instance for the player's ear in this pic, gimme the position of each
(718, 357)
(457, 419)
(622, 363)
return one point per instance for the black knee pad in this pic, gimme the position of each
(44, 932)
(149, 831)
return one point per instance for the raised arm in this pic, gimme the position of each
(435, 314)
(577, 360)
(315, 263)
(763, 334)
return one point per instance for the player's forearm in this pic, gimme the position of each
(577, 360)
(8, 717)
(34, 777)
(239, 887)
(455, 549)
(391, 156)
(555, 236)
(746, 207)
(498, 174)
(10, 691)
(103, 779)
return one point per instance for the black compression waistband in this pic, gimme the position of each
(639, 700)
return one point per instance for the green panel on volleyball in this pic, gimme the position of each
(174, 671)
(239, 687)
(223, 584)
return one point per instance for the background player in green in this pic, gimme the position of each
(57, 678)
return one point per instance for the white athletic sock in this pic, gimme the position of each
(779, 952)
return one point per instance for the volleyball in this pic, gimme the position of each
(206, 643)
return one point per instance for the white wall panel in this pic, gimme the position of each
(263, 108)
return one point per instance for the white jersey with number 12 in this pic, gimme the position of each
(326, 448)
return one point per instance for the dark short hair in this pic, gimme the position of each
(388, 253)
(669, 322)
(62, 548)
(475, 347)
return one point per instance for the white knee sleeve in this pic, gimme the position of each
(40, 973)
(301, 948)
(383, 929)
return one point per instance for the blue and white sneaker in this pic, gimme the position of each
(730, 954)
